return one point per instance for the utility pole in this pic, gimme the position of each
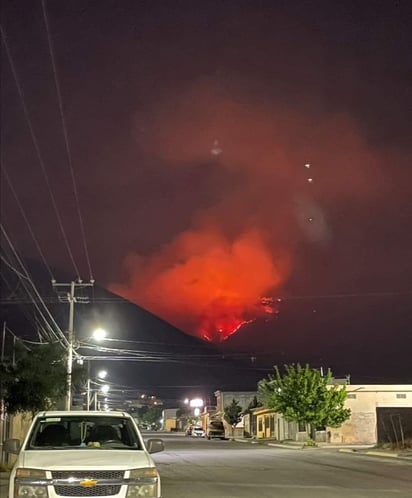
(88, 385)
(71, 298)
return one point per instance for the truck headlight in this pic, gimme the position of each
(143, 482)
(30, 483)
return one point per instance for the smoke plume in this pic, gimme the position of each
(284, 170)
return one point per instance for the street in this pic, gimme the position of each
(228, 469)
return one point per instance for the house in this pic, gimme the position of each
(225, 398)
(379, 414)
(170, 419)
(271, 425)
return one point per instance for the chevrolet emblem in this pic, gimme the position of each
(87, 483)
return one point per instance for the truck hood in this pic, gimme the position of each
(85, 459)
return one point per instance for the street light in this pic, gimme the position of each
(99, 334)
(102, 374)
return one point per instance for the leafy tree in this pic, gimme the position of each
(232, 414)
(253, 404)
(150, 415)
(303, 395)
(37, 379)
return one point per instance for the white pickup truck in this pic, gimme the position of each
(79, 453)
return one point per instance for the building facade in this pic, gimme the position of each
(379, 414)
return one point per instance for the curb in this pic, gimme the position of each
(357, 451)
(275, 445)
(381, 454)
(286, 447)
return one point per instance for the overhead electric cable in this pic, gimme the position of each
(66, 135)
(23, 213)
(58, 334)
(16, 337)
(37, 148)
(26, 312)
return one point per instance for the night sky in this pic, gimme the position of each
(223, 152)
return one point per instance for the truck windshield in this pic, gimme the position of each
(84, 431)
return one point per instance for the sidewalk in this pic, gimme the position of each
(361, 449)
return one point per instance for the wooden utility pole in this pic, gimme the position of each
(71, 299)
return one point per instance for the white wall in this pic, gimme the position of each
(363, 400)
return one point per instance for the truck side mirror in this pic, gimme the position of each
(11, 446)
(154, 445)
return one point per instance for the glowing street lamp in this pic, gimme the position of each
(99, 334)
(102, 374)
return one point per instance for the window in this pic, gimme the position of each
(302, 427)
(260, 425)
(84, 431)
(401, 396)
(351, 396)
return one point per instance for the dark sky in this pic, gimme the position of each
(190, 124)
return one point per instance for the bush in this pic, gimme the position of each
(310, 442)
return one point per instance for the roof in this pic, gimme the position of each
(81, 412)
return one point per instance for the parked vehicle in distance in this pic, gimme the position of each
(74, 453)
(216, 430)
(198, 432)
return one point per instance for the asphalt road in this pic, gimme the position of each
(199, 468)
(227, 469)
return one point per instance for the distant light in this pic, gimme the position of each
(310, 180)
(99, 334)
(102, 374)
(105, 388)
(197, 412)
(307, 165)
(186, 401)
(216, 149)
(196, 403)
(310, 220)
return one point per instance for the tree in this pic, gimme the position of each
(232, 414)
(253, 404)
(37, 379)
(150, 415)
(303, 395)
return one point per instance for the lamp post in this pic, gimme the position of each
(99, 334)
(102, 374)
(104, 389)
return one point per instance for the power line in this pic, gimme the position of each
(66, 135)
(23, 213)
(24, 278)
(37, 147)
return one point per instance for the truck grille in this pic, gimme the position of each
(99, 490)
(80, 491)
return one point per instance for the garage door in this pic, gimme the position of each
(394, 424)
